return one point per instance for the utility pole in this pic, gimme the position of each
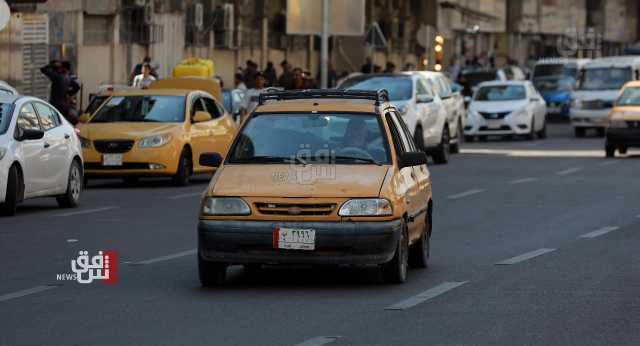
(324, 54)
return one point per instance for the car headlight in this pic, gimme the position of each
(85, 143)
(575, 103)
(2, 152)
(225, 206)
(155, 141)
(366, 207)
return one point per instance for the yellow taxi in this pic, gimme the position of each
(624, 121)
(317, 177)
(160, 131)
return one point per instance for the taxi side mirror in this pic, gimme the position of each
(201, 117)
(84, 118)
(210, 160)
(411, 159)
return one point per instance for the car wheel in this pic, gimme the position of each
(482, 138)
(468, 138)
(181, 178)
(8, 208)
(71, 197)
(532, 131)
(543, 132)
(455, 147)
(395, 271)
(610, 150)
(441, 154)
(579, 132)
(418, 138)
(622, 150)
(600, 131)
(420, 251)
(211, 273)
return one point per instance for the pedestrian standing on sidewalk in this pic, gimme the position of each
(251, 97)
(143, 80)
(60, 83)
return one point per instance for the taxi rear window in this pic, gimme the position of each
(314, 138)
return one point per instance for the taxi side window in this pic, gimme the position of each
(28, 120)
(406, 134)
(212, 108)
(398, 143)
(197, 106)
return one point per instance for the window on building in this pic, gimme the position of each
(97, 29)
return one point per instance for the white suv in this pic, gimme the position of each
(421, 108)
(40, 154)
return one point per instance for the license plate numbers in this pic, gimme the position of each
(112, 160)
(294, 239)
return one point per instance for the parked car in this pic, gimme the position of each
(623, 130)
(6, 89)
(419, 105)
(453, 103)
(506, 109)
(318, 177)
(157, 132)
(40, 154)
(598, 87)
(555, 79)
(232, 100)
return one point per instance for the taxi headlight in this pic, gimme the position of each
(225, 206)
(617, 124)
(3, 151)
(366, 207)
(85, 143)
(155, 141)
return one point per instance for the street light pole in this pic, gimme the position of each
(324, 54)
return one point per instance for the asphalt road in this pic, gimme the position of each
(534, 243)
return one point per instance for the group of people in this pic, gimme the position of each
(64, 89)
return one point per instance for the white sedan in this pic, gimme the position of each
(505, 108)
(40, 154)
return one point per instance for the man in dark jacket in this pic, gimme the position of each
(61, 88)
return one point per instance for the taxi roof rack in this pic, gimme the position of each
(381, 95)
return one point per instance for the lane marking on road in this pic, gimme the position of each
(164, 258)
(638, 216)
(87, 211)
(72, 240)
(426, 295)
(608, 163)
(466, 193)
(525, 256)
(26, 292)
(319, 341)
(522, 181)
(569, 171)
(599, 232)
(186, 195)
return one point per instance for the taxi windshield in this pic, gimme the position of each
(312, 138)
(5, 117)
(629, 97)
(148, 108)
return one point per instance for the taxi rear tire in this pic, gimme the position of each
(420, 252)
(395, 271)
(8, 208)
(181, 178)
(211, 273)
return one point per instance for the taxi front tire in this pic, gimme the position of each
(211, 273)
(395, 271)
(181, 178)
(420, 252)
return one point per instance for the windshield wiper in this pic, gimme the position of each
(263, 159)
(356, 158)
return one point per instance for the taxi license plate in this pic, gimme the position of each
(294, 239)
(112, 160)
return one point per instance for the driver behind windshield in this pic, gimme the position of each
(357, 134)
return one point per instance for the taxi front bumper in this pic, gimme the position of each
(161, 161)
(239, 242)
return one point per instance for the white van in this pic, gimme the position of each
(598, 86)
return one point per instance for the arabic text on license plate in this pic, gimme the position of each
(112, 160)
(294, 239)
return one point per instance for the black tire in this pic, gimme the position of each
(601, 131)
(610, 150)
(211, 273)
(420, 251)
(252, 269)
(579, 132)
(395, 271)
(622, 150)
(441, 154)
(543, 132)
(482, 138)
(468, 138)
(8, 208)
(532, 131)
(71, 197)
(181, 178)
(455, 147)
(418, 138)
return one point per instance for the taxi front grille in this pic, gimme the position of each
(295, 208)
(113, 146)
